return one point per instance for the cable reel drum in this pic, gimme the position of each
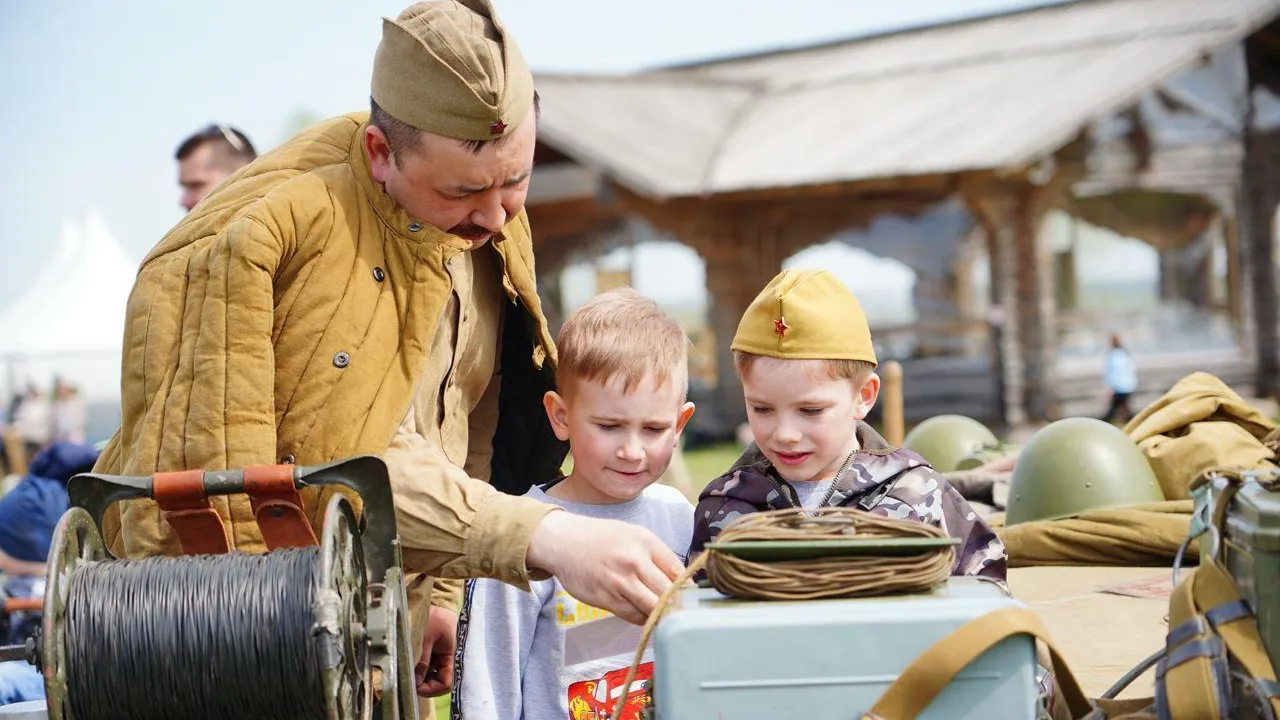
(342, 637)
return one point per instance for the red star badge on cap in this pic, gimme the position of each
(497, 127)
(780, 326)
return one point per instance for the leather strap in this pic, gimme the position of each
(188, 511)
(278, 507)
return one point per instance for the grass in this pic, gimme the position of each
(709, 462)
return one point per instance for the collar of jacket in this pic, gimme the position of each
(876, 463)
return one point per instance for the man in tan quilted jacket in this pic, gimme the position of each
(368, 287)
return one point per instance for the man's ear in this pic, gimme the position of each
(558, 413)
(378, 149)
(682, 419)
(867, 395)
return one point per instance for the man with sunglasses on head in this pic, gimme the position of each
(208, 157)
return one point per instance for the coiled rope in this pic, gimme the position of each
(210, 636)
(837, 576)
(826, 577)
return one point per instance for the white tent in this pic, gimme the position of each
(70, 319)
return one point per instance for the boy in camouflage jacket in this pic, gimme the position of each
(804, 354)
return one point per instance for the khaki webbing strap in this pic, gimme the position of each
(1205, 607)
(1240, 633)
(1191, 685)
(935, 668)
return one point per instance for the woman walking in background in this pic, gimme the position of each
(1122, 378)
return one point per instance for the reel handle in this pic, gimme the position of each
(366, 475)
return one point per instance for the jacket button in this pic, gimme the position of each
(288, 460)
(341, 360)
(415, 226)
(378, 274)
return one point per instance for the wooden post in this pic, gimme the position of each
(891, 395)
(1235, 276)
(1012, 211)
(1261, 196)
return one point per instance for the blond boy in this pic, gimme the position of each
(622, 381)
(804, 354)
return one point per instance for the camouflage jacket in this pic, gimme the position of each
(888, 481)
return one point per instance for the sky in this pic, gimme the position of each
(98, 94)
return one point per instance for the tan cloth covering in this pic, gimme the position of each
(1101, 635)
(1142, 535)
(1200, 423)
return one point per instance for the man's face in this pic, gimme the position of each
(441, 182)
(200, 172)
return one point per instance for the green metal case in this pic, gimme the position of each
(729, 659)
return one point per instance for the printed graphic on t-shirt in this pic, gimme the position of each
(596, 699)
(598, 652)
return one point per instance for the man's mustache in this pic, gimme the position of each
(470, 231)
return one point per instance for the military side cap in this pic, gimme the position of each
(805, 315)
(451, 69)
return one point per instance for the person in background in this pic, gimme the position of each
(1122, 379)
(29, 513)
(33, 421)
(208, 157)
(68, 413)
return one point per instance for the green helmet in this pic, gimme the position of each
(944, 439)
(1072, 466)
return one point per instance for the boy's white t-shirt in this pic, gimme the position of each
(530, 655)
(811, 493)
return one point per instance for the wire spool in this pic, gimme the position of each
(280, 635)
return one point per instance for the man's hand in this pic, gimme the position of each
(613, 565)
(434, 671)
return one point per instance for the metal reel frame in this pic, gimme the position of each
(341, 615)
(76, 542)
(361, 625)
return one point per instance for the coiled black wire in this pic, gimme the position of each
(211, 636)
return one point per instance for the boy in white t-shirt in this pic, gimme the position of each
(621, 403)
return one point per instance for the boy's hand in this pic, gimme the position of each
(434, 671)
(613, 565)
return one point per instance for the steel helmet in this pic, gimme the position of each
(944, 440)
(1076, 465)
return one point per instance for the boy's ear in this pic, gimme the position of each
(867, 395)
(558, 413)
(682, 419)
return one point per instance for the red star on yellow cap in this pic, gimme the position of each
(780, 326)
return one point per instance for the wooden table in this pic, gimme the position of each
(1101, 635)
